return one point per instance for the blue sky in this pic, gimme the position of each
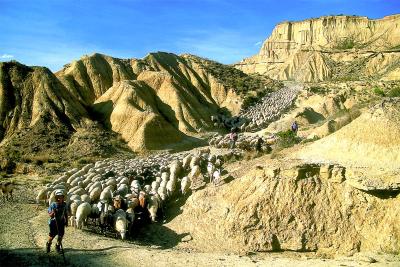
(52, 33)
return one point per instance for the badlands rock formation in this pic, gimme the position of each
(162, 94)
(140, 99)
(33, 95)
(291, 206)
(331, 47)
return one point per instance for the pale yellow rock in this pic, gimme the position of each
(304, 50)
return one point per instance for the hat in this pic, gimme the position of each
(59, 192)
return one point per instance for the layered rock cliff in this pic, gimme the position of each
(317, 49)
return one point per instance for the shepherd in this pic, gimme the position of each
(295, 127)
(58, 221)
(233, 137)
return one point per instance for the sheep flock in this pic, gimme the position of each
(119, 196)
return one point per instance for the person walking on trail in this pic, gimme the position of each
(295, 127)
(233, 137)
(58, 220)
(259, 143)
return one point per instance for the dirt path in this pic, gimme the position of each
(23, 233)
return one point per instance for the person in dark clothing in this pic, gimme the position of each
(295, 127)
(58, 220)
(259, 144)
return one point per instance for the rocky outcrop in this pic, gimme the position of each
(315, 49)
(297, 207)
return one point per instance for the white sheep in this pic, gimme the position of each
(162, 192)
(185, 185)
(95, 194)
(42, 195)
(73, 208)
(171, 186)
(82, 213)
(106, 195)
(120, 222)
(85, 198)
(216, 176)
(153, 205)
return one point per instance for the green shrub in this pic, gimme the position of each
(346, 43)
(287, 139)
(317, 90)
(394, 92)
(378, 91)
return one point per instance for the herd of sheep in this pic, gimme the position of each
(269, 108)
(258, 116)
(118, 193)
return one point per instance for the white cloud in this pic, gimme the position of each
(258, 43)
(6, 56)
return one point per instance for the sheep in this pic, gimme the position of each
(186, 161)
(185, 185)
(85, 198)
(216, 176)
(73, 208)
(210, 171)
(122, 190)
(147, 188)
(106, 195)
(142, 199)
(105, 218)
(162, 192)
(155, 185)
(153, 205)
(94, 213)
(130, 216)
(194, 162)
(195, 172)
(164, 176)
(41, 196)
(95, 194)
(51, 197)
(119, 203)
(120, 223)
(7, 189)
(82, 213)
(171, 186)
(175, 168)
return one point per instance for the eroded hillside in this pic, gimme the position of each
(338, 48)
(132, 101)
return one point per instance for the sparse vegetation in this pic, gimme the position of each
(317, 90)
(287, 139)
(378, 91)
(346, 43)
(394, 92)
(251, 87)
